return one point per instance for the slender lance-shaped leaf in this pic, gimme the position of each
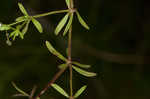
(25, 29)
(81, 65)
(68, 25)
(60, 90)
(19, 90)
(83, 72)
(62, 66)
(80, 91)
(22, 18)
(37, 25)
(53, 51)
(61, 24)
(21, 7)
(82, 22)
(68, 3)
(4, 27)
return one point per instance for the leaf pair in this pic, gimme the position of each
(79, 70)
(63, 22)
(28, 18)
(23, 93)
(64, 93)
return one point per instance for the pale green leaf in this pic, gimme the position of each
(21, 7)
(37, 25)
(21, 34)
(60, 90)
(81, 65)
(53, 51)
(83, 72)
(68, 25)
(62, 66)
(25, 29)
(82, 22)
(68, 3)
(19, 90)
(22, 18)
(4, 27)
(61, 24)
(80, 91)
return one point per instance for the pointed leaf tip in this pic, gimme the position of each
(19, 90)
(60, 90)
(80, 91)
(82, 22)
(68, 25)
(37, 25)
(22, 9)
(54, 52)
(83, 72)
(61, 24)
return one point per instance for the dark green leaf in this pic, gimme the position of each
(22, 9)
(80, 91)
(81, 65)
(37, 25)
(83, 72)
(19, 90)
(61, 24)
(60, 90)
(68, 25)
(53, 51)
(82, 22)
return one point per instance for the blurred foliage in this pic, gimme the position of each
(117, 47)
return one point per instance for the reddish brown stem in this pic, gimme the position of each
(50, 83)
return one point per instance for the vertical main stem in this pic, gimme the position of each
(69, 51)
(69, 58)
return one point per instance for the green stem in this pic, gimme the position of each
(69, 58)
(69, 51)
(41, 15)
(50, 13)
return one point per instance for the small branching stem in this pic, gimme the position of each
(41, 15)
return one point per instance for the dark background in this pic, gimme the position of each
(117, 47)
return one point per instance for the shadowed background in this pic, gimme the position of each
(117, 47)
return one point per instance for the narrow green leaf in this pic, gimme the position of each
(19, 90)
(80, 91)
(22, 18)
(61, 24)
(82, 22)
(37, 25)
(21, 34)
(4, 27)
(83, 72)
(53, 51)
(68, 25)
(60, 90)
(22, 9)
(67, 2)
(81, 65)
(25, 29)
(62, 66)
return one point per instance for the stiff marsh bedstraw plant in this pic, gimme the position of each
(20, 27)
